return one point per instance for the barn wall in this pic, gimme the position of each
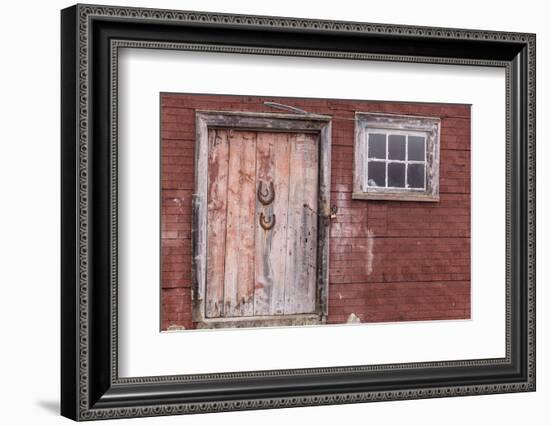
(389, 260)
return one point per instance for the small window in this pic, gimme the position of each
(396, 157)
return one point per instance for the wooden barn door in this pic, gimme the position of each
(262, 223)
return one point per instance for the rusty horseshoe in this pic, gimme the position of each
(266, 195)
(267, 225)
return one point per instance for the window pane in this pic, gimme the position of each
(396, 175)
(377, 173)
(377, 145)
(396, 147)
(416, 148)
(415, 175)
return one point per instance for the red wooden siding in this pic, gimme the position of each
(389, 260)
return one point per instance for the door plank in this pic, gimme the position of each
(301, 259)
(272, 165)
(218, 156)
(241, 203)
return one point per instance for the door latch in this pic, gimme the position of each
(331, 216)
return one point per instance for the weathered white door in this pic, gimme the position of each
(262, 223)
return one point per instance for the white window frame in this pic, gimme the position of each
(396, 124)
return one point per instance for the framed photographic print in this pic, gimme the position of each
(263, 212)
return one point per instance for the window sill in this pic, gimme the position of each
(394, 197)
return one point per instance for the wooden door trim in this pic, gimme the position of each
(270, 122)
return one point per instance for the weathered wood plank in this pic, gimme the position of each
(398, 196)
(360, 149)
(272, 165)
(218, 159)
(301, 259)
(323, 232)
(257, 121)
(241, 203)
(199, 219)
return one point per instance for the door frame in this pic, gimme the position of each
(267, 122)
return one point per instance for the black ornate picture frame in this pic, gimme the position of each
(90, 385)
